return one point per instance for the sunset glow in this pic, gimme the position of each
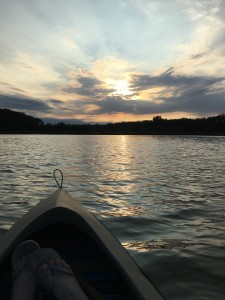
(121, 87)
(111, 61)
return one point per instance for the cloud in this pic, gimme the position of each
(198, 56)
(196, 10)
(118, 104)
(11, 88)
(88, 82)
(56, 101)
(196, 94)
(88, 58)
(23, 103)
(87, 86)
(170, 79)
(195, 102)
(167, 92)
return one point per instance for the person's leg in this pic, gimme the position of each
(64, 285)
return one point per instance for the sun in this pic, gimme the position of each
(121, 87)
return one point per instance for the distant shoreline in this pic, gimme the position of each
(121, 133)
(12, 122)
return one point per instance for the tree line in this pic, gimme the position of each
(19, 122)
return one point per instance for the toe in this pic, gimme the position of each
(62, 262)
(44, 270)
(57, 263)
(68, 267)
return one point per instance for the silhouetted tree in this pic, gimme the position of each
(13, 122)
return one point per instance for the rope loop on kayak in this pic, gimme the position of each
(61, 173)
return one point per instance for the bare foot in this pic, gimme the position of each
(64, 286)
(23, 287)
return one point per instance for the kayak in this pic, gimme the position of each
(103, 267)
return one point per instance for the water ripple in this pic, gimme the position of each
(161, 196)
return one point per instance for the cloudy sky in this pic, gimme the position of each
(112, 60)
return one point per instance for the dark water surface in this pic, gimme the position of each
(162, 196)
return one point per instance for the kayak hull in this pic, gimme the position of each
(98, 258)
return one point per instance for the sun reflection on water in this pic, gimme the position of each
(119, 181)
(155, 245)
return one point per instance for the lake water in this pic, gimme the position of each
(162, 196)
